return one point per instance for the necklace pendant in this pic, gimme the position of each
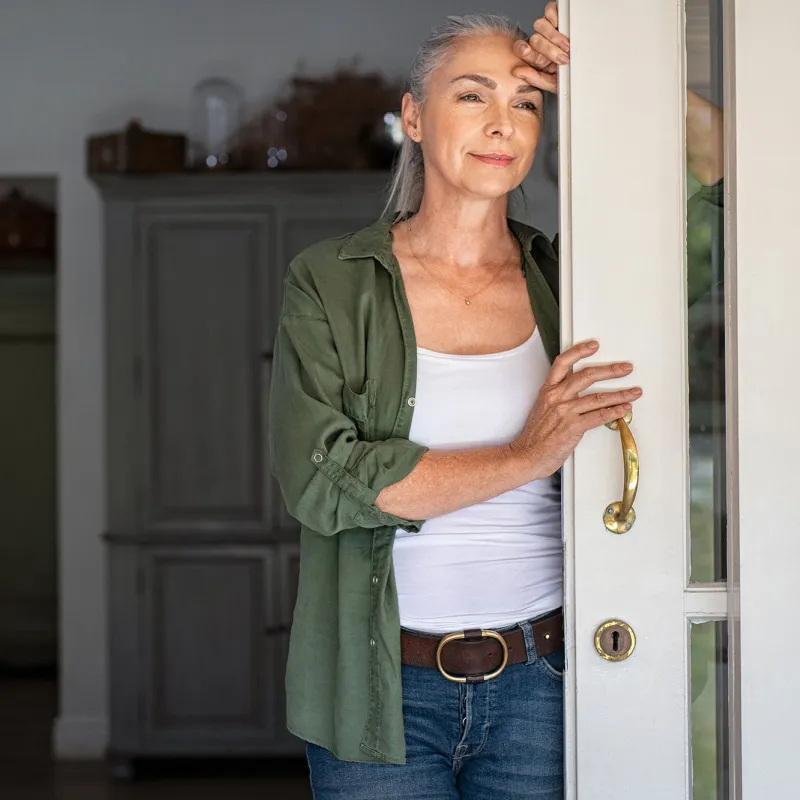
(467, 301)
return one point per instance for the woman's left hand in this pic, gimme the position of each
(545, 51)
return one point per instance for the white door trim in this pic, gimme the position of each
(767, 173)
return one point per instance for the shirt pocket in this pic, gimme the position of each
(361, 408)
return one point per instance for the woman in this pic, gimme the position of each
(420, 412)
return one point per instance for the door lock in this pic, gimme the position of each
(615, 640)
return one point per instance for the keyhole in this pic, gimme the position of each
(615, 640)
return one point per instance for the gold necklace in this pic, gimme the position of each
(466, 298)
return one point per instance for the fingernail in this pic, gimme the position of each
(627, 366)
(523, 49)
(637, 390)
(594, 345)
(562, 59)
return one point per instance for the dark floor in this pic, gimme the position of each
(27, 708)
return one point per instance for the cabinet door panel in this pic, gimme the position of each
(202, 279)
(209, 671)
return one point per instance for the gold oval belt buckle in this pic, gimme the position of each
(451, 637)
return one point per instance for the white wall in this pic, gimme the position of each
(71, 68)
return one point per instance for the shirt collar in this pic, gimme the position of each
(374, 241)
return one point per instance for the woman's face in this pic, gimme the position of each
(479, 125)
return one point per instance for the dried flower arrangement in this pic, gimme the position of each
(328, 122)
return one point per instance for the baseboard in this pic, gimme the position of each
(80, 738)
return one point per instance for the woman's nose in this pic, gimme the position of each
(500, 125)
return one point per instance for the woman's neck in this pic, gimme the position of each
(464, 235)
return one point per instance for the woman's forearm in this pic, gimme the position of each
(445, 481)
(705, 140)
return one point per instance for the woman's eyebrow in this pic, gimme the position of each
(482, 79)
(523, 88)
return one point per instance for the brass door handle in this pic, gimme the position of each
(619, 517)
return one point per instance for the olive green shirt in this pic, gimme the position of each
(341, 403)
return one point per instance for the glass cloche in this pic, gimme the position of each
(217, 113)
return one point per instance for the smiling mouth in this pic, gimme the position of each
(500, 160)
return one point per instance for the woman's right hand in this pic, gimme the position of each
(544, 51)
(561, 416)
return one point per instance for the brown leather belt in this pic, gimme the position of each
(477, 655)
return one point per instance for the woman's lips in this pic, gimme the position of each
(495, 161)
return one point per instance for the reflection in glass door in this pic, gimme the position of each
(706, 323)
(706, 287)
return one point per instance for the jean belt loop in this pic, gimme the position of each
(530, 645)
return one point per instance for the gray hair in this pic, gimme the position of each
(408, 179)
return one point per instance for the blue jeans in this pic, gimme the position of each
(498, 740)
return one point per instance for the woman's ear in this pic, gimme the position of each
(410, 114)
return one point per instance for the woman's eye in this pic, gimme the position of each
(469, 97)
(527, 104)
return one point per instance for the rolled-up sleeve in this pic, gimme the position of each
(329, 478)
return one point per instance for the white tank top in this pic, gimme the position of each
(494, 563)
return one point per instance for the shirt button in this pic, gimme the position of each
(372, 643)
(317, 456)
(374, 580)
(412, 401)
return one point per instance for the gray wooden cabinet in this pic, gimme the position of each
(203, 557)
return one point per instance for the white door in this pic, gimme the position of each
(705, 705)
